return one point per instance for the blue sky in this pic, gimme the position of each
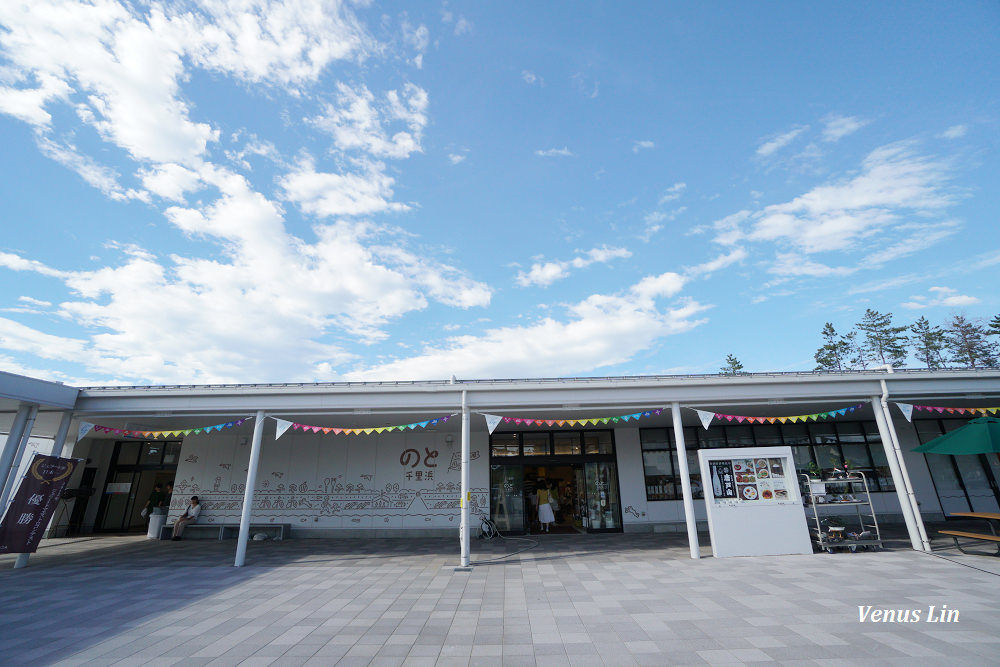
(315, 191)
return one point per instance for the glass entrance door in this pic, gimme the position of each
(603, 507)
(507, 497)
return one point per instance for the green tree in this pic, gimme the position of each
(883, 343)
(732, 367)
(833, 355)
(968, 343)
(995, 325)
(928, 342)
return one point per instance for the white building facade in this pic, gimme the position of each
(385, 459)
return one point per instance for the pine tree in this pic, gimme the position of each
(833, 355)
(858, 357)
(967, 342)
(995, 325)
(883, 343)
(732, 367)
(927, 342)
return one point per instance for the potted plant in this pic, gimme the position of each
(815, 475)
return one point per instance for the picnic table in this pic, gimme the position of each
(989, 517)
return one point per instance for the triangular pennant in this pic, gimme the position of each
(84, 430)
(705, 417)
(368, 431)
(283, 425)
(907, 410)
(492, 421)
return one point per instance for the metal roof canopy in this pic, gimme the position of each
(351, 404)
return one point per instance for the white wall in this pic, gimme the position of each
(334, 483)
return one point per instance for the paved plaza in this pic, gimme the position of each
(572, 600)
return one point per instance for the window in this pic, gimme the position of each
(505, 444)
(151, 453)
(598, 442)
(536, 444)
(827, 445)
(566, 442)
(552, 443)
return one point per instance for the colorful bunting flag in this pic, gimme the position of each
(325, 430)
(128, 433)
(706, 417)
(950, 411)
(521, 421)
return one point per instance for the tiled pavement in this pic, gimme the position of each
(572, 600)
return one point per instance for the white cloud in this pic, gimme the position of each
(941, 296)
(955, 132)
(95, 175)
(356, 121)
(720, 262)
(268, 293)
(894, 180)
(544, 274)
(34, 302)
(776, 143)
(531, 78)
(417, 38)
(673, 192)
(460, 24)
(836, 127)
(602, 330)
(456, 158)
(170, 181)
(585, 85)
(353, 194)
(652, 222)
(555, 152)
(642, 145)
(28, 104)
(793, 264)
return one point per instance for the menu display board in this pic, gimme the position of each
(753, 502)
(756, 480)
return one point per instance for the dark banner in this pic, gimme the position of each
(34, 503)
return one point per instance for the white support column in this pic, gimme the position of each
(911, 497)
(463, 530)
(10, 481)
(60, 439)
(57, 447)
(10, 447)
(897, 477)
(682, 465)
(241, 544)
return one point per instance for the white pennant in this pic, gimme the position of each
(84, 430)
(907, 410)
(492, 421)
(706, 418)
(283, 425)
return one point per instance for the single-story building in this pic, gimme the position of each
(385, 458)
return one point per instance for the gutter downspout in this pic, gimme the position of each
(897, 451)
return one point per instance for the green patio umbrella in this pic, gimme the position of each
(979, 436)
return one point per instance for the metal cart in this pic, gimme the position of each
(829, 536)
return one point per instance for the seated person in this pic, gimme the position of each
(190, 516)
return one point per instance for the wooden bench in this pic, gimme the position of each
(955, 534)
(224, 530)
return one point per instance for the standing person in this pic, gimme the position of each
(190, 516)
(545, 516)
(155, 500)
(167, 496)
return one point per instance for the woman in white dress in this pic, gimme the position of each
(545, 515)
